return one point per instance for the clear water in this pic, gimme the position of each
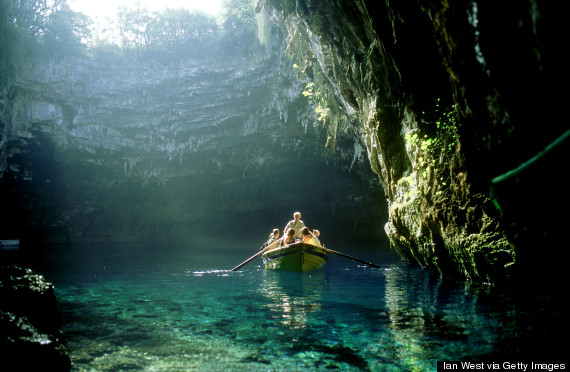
(157, 309)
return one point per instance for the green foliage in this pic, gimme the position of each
(65, 31)
(133, 27)
(444, 139)
(52, 23)
(29, 27)
(446, 125)
(31, 15)
(409, 189)
(238, 25)
(179, 32)
(171, 31)
(317, 96)
(8, 49)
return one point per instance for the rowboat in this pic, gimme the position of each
(297, 257)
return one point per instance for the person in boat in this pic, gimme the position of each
(309, 237)
(289, 237)
(295, 224)
(273, 236)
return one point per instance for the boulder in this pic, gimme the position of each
(30, 323)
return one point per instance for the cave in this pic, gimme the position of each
(407, 129)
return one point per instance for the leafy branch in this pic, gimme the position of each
(319, 98)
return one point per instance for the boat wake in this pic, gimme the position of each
(215, 272)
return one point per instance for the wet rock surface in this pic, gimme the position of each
(30, 322)
(444, 97)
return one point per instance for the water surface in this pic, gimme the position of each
(164, 309)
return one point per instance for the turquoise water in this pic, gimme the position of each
(126, 308)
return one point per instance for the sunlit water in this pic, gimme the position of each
(159, 310)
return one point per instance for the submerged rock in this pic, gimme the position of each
(32, 338)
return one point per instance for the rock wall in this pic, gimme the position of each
(444, 97)
(117, 147)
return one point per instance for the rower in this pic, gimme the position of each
(295, 224)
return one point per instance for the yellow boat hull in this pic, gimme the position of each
(297, 257)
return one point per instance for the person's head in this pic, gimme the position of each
(297, 216)
(275, 233)
(305, 231)
(316, 232)
(290, 232)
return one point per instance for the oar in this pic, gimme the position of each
(352, 258)
(257, 254)
(249, 259)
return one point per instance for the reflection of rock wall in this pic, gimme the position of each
(405, 75)
(466, 318)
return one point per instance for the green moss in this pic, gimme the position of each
(443, 140)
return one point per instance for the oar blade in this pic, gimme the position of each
(353, 258)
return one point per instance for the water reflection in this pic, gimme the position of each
(430, 317)
(293, 296)
(344, 317)
(401, 314)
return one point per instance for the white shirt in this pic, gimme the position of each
(295, 225)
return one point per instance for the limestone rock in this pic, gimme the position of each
(30, 323)
(444, 97)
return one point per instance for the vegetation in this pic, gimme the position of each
(238, 25)
(179, 32)
(318, 98)
(317, 94)
(50, 27)
(169, 31)
(29, 27)
(443, 139)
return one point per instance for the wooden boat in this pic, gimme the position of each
(297, 257)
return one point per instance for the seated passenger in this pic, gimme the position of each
(289, 238)
(309, 238)
(273, 236)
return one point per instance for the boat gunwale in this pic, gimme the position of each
(299, 247)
